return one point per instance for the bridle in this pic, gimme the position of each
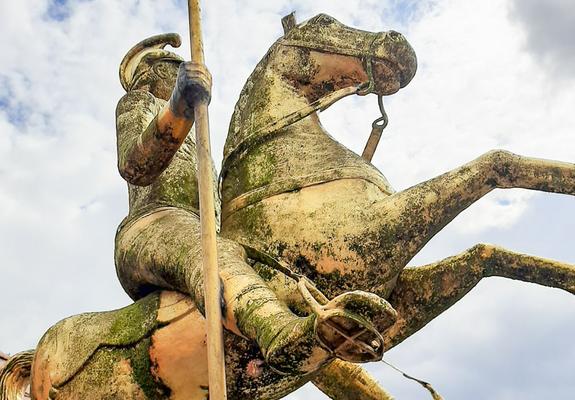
(365, 88)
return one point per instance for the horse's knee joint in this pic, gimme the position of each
(499, 157)
(501, 164)
(486, 258)
(483, 251)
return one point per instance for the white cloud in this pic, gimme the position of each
(550, 27)
(477, 88)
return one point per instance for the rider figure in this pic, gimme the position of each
(158, 243)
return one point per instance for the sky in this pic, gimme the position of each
(492, 74)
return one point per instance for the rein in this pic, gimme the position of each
(379, 124)
(262, 134)
(426, 385)
(377, 128)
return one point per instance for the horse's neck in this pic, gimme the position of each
(268, 98)
(284, 98)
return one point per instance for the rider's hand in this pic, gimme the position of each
(194, 83)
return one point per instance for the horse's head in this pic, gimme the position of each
(322, 55)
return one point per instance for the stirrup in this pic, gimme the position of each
(343, 324)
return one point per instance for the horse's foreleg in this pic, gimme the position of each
(342, 380)
(414, 215)
(422, 293)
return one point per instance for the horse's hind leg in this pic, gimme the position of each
(422, 293)
(412, 217)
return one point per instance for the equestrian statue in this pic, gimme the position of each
(313, 242)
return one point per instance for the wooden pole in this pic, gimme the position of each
(216, 363)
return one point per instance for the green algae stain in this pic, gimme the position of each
(142, 371)
(265, 272)
(134, 322)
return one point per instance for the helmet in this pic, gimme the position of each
(142, 56)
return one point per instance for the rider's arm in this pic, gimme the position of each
(148, 136)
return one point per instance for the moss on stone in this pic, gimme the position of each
(267, 273)
(132, 323)
(254, 221)
(142, 371)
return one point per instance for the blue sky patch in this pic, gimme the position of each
(17, 114)
(58, 10)
(404, 11)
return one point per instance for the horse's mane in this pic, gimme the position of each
(236, 120)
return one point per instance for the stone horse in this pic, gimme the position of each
(312, 208)
(292, 192)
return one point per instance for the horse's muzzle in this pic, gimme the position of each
(394, 50)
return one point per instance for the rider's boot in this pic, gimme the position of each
(288, 342)
(297, 345)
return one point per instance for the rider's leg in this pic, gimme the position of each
(422, 293)
(163, 250)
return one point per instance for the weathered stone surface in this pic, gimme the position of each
(300, 201)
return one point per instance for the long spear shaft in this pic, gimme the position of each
(216, 363)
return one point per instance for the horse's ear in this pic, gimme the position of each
(288, 22)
